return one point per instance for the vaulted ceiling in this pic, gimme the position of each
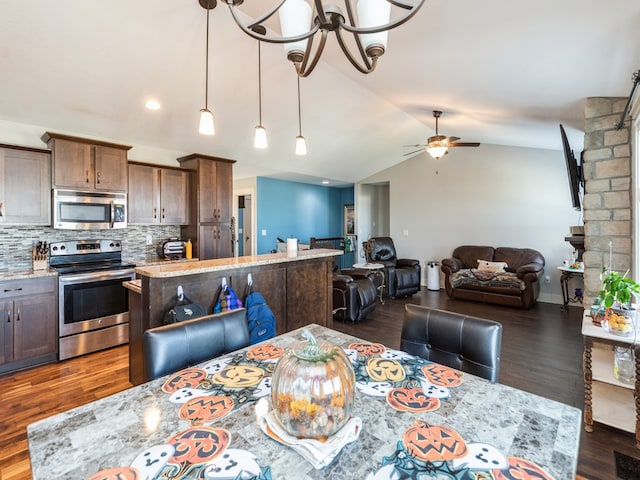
(503, 71)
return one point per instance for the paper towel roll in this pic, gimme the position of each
(292, 247)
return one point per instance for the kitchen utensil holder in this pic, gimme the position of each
(39, 260)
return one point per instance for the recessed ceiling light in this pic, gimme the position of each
(152, 104)
(325, 182)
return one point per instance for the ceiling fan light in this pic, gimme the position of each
(374, 13)
(206, 122)
(301, 145)
(260, 140)
(437, 152)
(295, 19)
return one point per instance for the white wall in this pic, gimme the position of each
(492, 195)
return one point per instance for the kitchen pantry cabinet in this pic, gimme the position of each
(157, 195)
(25, 186)
(29, 333)
(209, 227)
(84, 164)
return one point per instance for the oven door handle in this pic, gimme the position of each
(97, 276)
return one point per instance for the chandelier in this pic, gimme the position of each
(302, 22)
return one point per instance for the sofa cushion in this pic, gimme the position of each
(495, 267)
(516, 257)
(470, 254)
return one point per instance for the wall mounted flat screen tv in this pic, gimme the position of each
(574, 170)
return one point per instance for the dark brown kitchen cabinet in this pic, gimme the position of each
(85, 164)
(29, 333)
(210, 205)
(25, 186)
(157, 195)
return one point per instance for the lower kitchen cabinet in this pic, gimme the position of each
(29, 333)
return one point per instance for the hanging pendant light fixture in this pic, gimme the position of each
(206, 116)
(260, 140)
(301, 144)
(369, 23)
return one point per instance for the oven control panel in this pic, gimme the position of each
(80, 247)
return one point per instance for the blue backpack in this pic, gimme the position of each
(260, 318)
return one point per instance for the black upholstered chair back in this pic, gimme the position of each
(170, 348)
(469, 344)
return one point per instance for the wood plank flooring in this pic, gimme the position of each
(541, 353)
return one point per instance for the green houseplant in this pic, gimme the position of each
(615, 296)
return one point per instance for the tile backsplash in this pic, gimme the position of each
(16, 242)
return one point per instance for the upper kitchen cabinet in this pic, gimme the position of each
(25, 186)
(157, 195)
(85, 164)
(210, 205)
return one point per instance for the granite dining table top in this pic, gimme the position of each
(415, 420)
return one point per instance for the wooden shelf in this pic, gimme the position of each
(614, 406)
(602, 367)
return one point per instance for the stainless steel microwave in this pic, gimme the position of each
(79, 210)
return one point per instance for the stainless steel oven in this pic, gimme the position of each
(93, 305)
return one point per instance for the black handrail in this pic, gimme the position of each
(636, 81)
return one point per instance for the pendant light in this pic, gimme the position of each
(301, 144)
(260, 140)
(206, 116)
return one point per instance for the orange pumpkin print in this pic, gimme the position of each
(385, 370)
(205, 409)
(433, 442)
(197, 446)
(441, 375)
(265, 352)
(368, 349)
(521, 469)
(187, 378)
(239, 376)
(118, 473)
(411, 400)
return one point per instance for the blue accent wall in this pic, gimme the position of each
(291, 209)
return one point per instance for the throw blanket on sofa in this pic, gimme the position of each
(473, 276)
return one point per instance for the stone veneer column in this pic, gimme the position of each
(607, 198)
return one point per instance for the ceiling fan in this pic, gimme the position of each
(438, 145)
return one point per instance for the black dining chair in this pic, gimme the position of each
(466, 343)
(170, 348)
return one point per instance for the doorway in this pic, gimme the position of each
(244, 239)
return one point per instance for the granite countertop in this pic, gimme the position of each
(191, 268)
(489, 427)
(25, 274)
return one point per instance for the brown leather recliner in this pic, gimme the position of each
(402, 275)
(354, 292)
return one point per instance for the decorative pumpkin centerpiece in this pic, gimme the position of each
(313, 388)
(615, 296)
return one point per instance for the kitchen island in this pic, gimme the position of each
(298, 289)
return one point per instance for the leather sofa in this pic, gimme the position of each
(170, 348)
(504, 276)
(466, 343)
(401, 275)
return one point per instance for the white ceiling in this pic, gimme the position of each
(503, 71)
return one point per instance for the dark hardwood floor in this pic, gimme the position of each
(541, 353)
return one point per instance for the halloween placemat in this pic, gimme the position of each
(408, 383)
(198, 452)
(435, 451)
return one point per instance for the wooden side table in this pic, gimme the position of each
(607, 400)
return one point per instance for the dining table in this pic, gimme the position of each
(411, 418)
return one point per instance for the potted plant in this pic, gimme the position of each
(615, 296)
